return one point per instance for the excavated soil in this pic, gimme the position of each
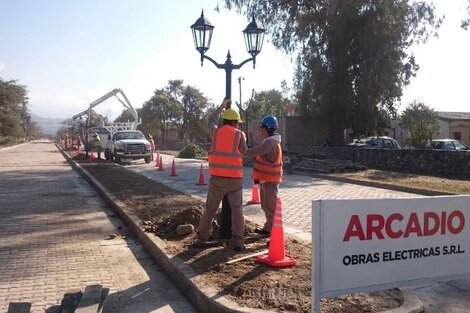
(249, 283)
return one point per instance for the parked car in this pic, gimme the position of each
(446, 144)
(376, 142)
(130, 144)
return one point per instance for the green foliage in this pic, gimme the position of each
(183, 107)
(15, 121)
(192, 151)
(466, 22)
(267, 102)
(353, 56)
(421, 121)
(126, 116)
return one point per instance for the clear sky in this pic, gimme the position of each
(69, 53)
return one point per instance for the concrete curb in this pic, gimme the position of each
(203, 297)
(15, 146)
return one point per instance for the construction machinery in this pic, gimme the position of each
(105, 130)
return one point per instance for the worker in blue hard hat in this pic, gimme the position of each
(267, 169)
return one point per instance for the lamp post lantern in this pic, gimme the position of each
(202, 34)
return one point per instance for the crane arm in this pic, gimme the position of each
(110, 94)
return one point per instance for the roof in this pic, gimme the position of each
(454, 116)
(291, 107)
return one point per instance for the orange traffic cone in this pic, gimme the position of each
(173, 169)
(254, 195)
(160, 164)
(202, 180)
(276, 256)
(156, 161)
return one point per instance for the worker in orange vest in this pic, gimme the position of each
(77, 141)
(267, 170)
(152, 144)
(226, 175)
(66, 142)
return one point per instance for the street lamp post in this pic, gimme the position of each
(202, 34)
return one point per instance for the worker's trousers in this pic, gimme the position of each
(268, 195)
(218, 187)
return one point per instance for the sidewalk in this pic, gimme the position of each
(297, 193)
(54, 237)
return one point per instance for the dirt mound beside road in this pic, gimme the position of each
(246, 282)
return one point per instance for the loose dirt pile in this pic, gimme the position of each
(246, 282)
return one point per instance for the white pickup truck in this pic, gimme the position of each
(130, 144)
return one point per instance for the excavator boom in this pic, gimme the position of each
(110, 94)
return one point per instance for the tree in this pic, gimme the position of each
(158, 112)
(466, 22)
(421, 121)
(14, 116)
(353, 58)
(126, 116)
(194, 122)
(266, 102)
(179, 105)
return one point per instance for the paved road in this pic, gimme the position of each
(53, 238)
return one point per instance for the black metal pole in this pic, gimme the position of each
(226, 213)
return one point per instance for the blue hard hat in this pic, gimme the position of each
(269, 122)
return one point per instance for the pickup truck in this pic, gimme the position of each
(130, 144)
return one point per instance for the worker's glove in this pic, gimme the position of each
(256, 182)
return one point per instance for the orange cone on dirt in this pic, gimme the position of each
(160, 164)
(156, 161)
(276, 256)
(173, 169)
(254, 195)
(202, 180)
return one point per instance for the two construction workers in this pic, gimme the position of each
(228, 146)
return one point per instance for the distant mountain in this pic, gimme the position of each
(49, 126)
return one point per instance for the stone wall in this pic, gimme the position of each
(294, 131)
(433, 162)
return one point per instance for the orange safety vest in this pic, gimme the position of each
(225, 159)
(266, 171)
(152, 144)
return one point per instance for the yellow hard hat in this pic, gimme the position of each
(231, 115)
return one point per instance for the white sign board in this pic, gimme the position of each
(373, 244)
